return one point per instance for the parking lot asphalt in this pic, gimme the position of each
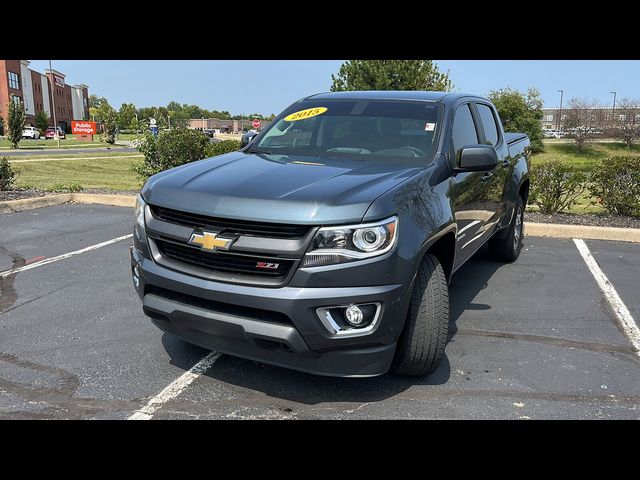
(531, 340)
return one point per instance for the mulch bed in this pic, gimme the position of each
(6, 195)
(586, 219)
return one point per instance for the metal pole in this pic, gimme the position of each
(560, 114)
(202, 124)
(53, 97)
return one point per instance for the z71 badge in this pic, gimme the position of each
(267, 265)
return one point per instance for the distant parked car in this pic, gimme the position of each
(551, 134)
(30, 132)
(50, 132)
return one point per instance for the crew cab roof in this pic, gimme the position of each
(444, 97)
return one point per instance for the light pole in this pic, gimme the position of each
(560, 114)
(202, 124)
(53, 97)
(169, 120)
(613, 110)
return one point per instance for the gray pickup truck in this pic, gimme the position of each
(327, 243)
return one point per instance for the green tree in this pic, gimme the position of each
(390, 75)
(16, 122)
(109, 118)
(42, 121)
(520, 112)
(126, 116)
(94, 101)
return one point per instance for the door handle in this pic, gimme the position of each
(486, 177)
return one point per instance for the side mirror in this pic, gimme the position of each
(247, 138)
(477, 158)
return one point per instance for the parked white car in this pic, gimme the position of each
(551, 134)
(30, 132)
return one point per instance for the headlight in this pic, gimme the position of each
(139, 229)
(353, 242)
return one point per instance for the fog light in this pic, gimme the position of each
(354, 315)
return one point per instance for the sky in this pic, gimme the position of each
(269, 86)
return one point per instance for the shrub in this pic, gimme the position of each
(225, 146)
(615, 182)
(556, 186)
(7, 174)
(172, 148)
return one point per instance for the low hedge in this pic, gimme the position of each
(615, 183)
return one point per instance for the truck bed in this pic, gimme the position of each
(511, 138)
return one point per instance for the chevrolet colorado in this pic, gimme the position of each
(327, 242)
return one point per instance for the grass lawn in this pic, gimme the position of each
(72, 156)
(111, 173)
(127, 136)
(584, 160)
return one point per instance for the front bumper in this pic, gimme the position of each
(302, 342)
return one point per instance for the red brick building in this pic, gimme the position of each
(40, 91)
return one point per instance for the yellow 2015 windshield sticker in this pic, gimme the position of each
(304, 114)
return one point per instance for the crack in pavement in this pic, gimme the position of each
(626, 351)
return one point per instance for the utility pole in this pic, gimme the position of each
(53, 97)
(613, 111)
(559, 128)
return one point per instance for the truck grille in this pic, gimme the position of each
(230, 227)
(226, 262)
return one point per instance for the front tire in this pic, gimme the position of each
(508, 249)
(421, 344)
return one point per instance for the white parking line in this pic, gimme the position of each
(63, 256)
(175, 388)
(622, 314)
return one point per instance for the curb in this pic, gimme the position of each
(552, 230)
(37, 202)
(82, 198)
(556, 230)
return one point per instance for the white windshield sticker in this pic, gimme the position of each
(430, 127)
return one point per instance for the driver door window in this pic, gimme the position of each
(464, 130)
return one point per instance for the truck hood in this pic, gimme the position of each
(277, 188)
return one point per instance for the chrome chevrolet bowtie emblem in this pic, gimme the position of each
(210, 242)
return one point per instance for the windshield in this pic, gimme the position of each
(369, 129)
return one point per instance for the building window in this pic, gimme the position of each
(16, 99)
(14, 80)
(549, 118)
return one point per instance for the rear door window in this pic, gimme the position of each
(489, 124)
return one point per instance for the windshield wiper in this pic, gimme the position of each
(265, 152)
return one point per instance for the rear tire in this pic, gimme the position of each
(508, 249)
(422, 342)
